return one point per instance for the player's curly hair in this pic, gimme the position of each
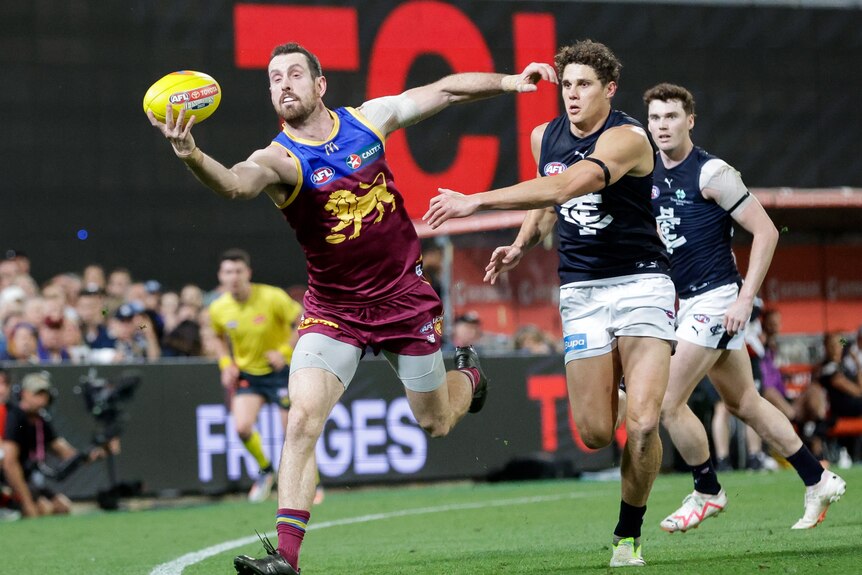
(593, 54)
(294, 48)
(665, 92)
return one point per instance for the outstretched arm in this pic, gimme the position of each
(393, 112)
(623, 149)
(536, 226)
(267, 170)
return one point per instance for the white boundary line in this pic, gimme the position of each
(176, 566)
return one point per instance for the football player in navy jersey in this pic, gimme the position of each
(616, 296)
(327, 172)
(696, 199)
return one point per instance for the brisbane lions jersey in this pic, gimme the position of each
(609, 233)
(697, 231)
(359, 243)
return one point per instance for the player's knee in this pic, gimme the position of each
(244, 430)
(596, 437)
(435, 426)
(302, 425)
(639, 427)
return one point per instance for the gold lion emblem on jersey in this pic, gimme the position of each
(351, 209)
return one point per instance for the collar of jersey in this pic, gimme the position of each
(335, 125)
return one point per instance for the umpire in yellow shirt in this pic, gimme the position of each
(255, 328)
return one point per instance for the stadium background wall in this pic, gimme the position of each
(777, 91)
(177, 437)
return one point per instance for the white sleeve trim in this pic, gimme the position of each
(721, 177)
(389, 113)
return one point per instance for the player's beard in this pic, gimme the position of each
(299, 111)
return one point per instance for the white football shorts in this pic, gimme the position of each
(700, 318)
(595, 313)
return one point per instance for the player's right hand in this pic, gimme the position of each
(229, 376)
(177, 132)
(503, 259)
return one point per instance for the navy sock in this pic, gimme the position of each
(631, 519)
(705, 479)
(807, 466)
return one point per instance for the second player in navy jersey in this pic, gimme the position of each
(616, 299)
(696, 198)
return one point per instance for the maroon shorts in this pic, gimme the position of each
(408, 324)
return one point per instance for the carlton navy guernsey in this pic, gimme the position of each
(359, 243)
(609, 233)
(697, 231)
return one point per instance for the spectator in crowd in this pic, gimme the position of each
(92, 311)
(51, 348)
(10, 317)
(9, 270)
(466, 331)
(6, 514)
(23, 344)
(117, 290)
(530, 339)
(27, 439)
(136, 338)
(71, 284)
(94, 274)
(34, 310)
(852, 358)
(184, 339)
(192, 295)
(169, 305)
(432, 264)
(21, 259)
(842, 380)
(73, 340)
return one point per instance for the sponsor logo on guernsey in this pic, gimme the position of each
(575, 342)
(680, 194)
(232, 324)
(700, 318)
(353, 161)
(371, 151)
(322, 175)
(259, 319)
(554, 168)
(655, 193)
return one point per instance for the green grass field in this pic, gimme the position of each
(533, 527)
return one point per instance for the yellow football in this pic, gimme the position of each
(198, 93)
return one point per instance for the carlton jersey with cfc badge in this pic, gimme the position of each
(609, 233)
(359, 243)
(696, 231)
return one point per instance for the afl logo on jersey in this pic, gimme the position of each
(322, 175)
(554, 168)
(655, 193)
(354, 161)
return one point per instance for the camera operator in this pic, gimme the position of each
(27, 439)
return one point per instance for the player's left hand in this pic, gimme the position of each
(737, 316)
(275, 359)
(527, 80)
(447, 205)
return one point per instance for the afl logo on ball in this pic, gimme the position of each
(354, 161)
(655, 192)
(322, 175)
(554, 168)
